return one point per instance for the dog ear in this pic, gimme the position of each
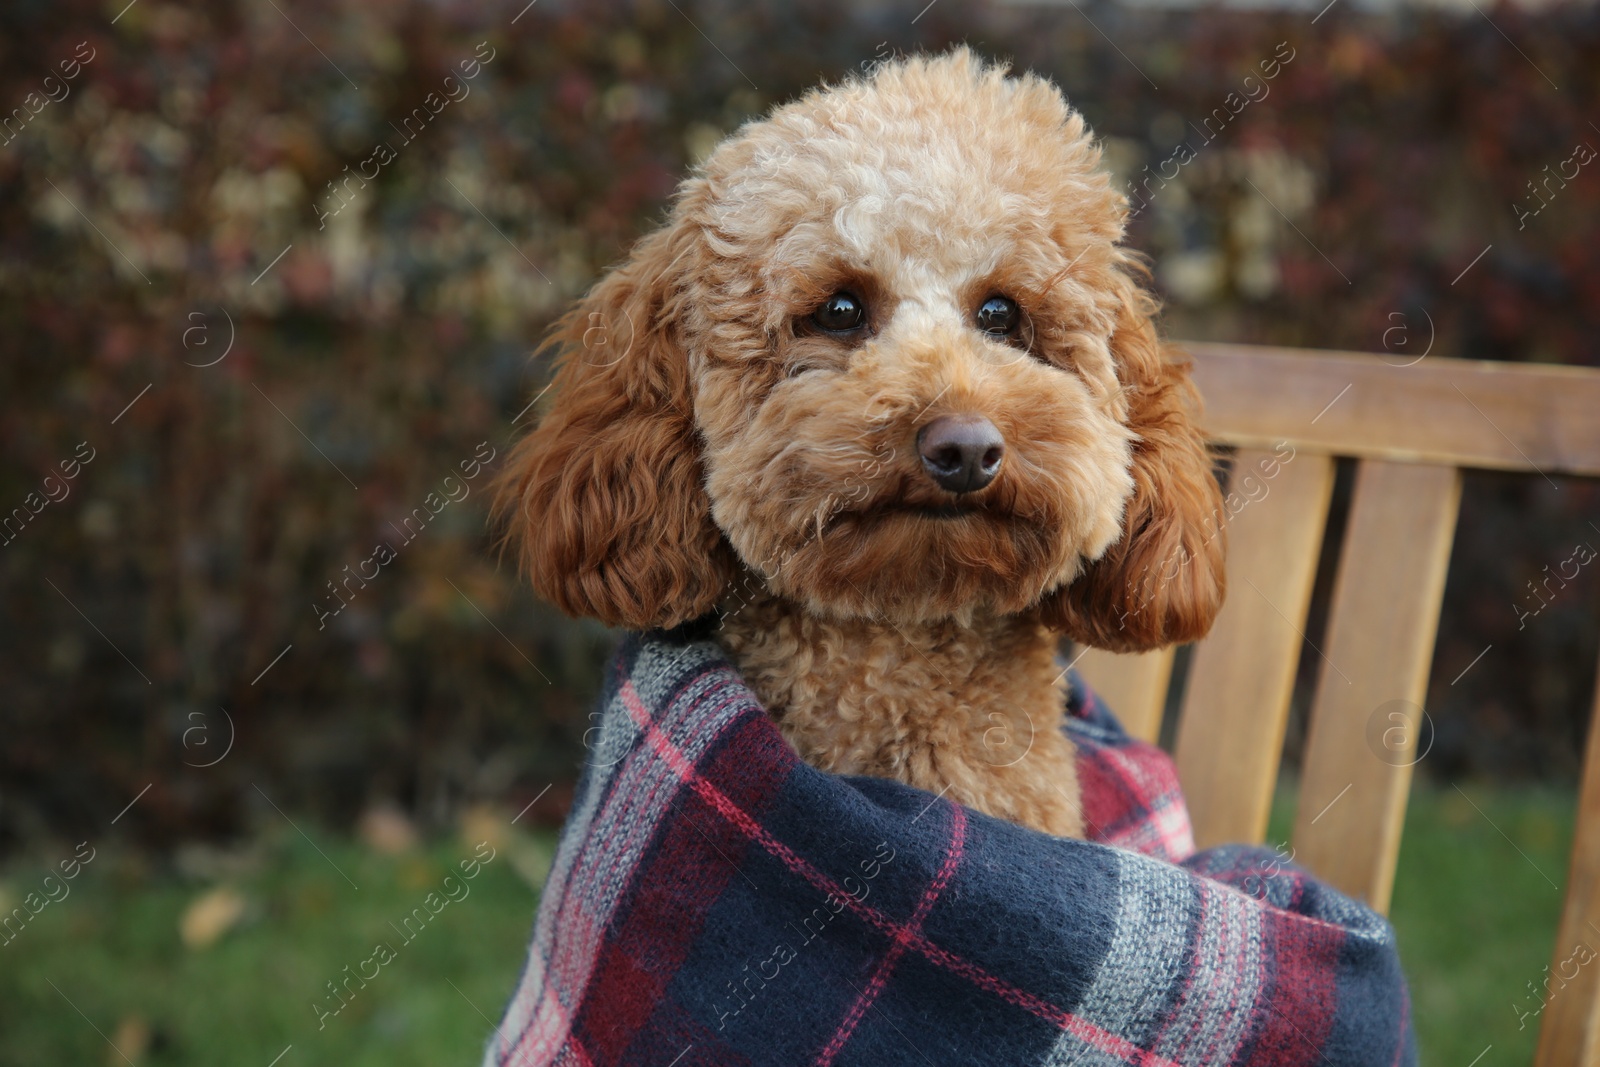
(606, 497)
(1162, 581)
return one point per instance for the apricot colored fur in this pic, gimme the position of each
(704, 449)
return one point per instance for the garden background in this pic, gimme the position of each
(255, 379)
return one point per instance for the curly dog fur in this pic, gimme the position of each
(708, 447)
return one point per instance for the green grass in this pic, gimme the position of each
(1474, 917)
(112, 948)
(1475, 920)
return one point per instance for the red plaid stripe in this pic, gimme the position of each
(958, 834)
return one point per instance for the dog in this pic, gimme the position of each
(885, 394)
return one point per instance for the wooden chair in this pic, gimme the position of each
(1410, 429)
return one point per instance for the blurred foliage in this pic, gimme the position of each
(112, 948)
(176, 201)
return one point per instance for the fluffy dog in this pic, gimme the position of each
(885, 394)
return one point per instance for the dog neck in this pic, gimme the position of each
(970, 710)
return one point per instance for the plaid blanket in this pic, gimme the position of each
(714, 901)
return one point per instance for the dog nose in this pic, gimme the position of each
(962, 453)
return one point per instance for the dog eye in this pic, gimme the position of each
(840, 313)
(998, 315)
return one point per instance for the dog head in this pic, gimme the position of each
(886, 358)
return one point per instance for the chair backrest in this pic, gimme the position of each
(1411, 429)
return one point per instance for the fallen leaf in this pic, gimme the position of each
(130, 1041)
(484, 823)
(211, 915)
(385, 828)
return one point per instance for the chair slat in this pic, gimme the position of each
(1365, 719)
(1464, 413)
(1570, 1030)
(1236, 702)
(1134, 686)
